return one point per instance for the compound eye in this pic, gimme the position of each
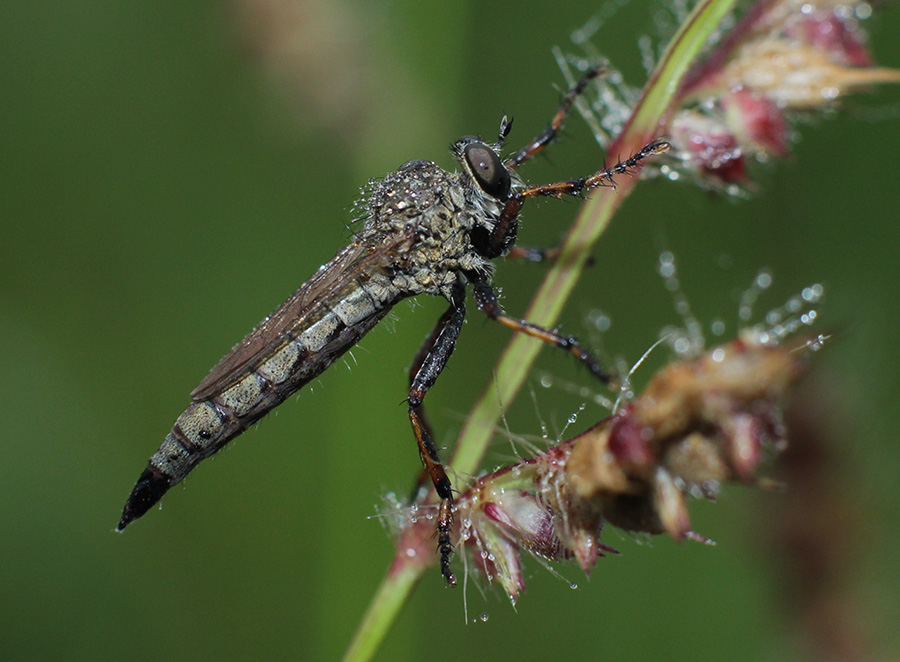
(488, 170)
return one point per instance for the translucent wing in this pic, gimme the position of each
(365, 253)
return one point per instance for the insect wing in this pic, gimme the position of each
(363, 254)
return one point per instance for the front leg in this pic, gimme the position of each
(429, 363)
(603, 177)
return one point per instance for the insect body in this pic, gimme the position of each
(425, 230)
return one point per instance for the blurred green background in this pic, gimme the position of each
(171, 171)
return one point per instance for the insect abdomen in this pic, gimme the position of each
(209, 424)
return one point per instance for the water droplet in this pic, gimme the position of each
(484, 618)
(599, 320)
(816, 344)
(813, 293)
(667, 264)
(573, 586)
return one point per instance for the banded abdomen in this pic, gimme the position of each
(226, 404)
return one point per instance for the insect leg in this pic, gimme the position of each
(546, 136)
(487, 302)
(432, 358)
(600, 178)
(501, 239)
(423, 352)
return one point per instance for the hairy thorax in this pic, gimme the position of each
(436, 211)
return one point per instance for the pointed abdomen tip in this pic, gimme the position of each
(148, 490)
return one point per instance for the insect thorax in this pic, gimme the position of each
(437, 211)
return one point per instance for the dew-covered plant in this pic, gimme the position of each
(729, 93)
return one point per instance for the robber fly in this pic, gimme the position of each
(424, 231)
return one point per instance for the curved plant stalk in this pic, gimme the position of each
(385, 605)
(516, 361)
(592, 221)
